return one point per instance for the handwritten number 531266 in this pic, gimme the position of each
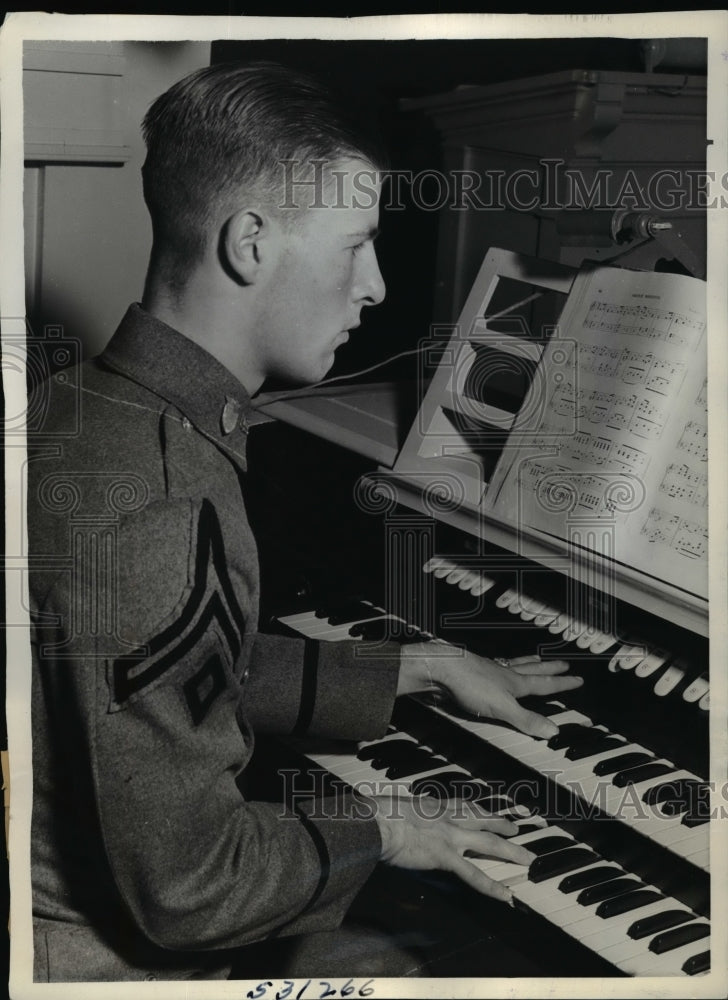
(322, 991)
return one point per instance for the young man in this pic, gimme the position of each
(150, 678)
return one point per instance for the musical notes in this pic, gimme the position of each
(681, 482)
(694, 440)
(632, 368)
(630, 458)
(648, 322)
(684, 537)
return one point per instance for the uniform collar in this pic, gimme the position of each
(174, 367)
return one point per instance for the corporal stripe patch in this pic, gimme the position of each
(212, 600)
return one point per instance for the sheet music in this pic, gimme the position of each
(622, 440)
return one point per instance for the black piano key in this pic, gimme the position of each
(592, 749)
(677, 937)
(646, 926)
(524, 827)
(381, 763)
(635, 774)
(496, 804)
(594, 876)
(349, 611)
(452, 781)
(699, 806)
(391, 747)
(573, 734)
(608, 890)
(559, 863)
(416, 764)
(680, 790)
(384, 629)
(629, 901)
(535, 704)
(672, 807)
(547, 845)
(446, 787)
(697, 963)
(694, 819)
(621, 761)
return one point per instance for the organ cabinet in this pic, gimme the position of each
(545, 491)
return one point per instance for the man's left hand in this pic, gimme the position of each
(486, 687)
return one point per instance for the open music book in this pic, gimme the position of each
(615, 456)
(577, 412)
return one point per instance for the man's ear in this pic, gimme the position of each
(245, 240)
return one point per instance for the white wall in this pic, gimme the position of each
(87, 232)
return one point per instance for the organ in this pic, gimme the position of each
(618, 804)
(540, 487)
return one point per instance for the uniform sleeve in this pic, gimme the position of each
(156, 698)
(303, 687)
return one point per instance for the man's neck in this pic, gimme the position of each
(210, 317)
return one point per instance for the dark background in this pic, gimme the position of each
(373, 77)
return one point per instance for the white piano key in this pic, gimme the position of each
(650, 825)
(541, 757)
(626, 657)
(530, 607)
(468, 581)
(456, 575)
(550, 886)
(508, 597)
(699, 842)
(653, 661)
(482, 585)
(546, 616)
(601, 643)
(624, 951)
(548, 831)
(669, 681)
(584, 768)
(681, 838)
(561, 622)
(701, 859)
(507, 872)
(500, 736)
(548, 904)
(704, 702)
(571, 715)
(613, 664)
(639, 788)
(669, 963)
(601, 933)
(696, 689)
(575, 629)
(577, 917)
(432, 564)
(446, 566)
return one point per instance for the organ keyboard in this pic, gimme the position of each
(626, 777)
(620, 831)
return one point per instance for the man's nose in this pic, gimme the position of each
(372, 284)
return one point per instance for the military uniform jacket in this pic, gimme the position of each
(150, 678)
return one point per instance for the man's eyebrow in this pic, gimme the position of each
(370, 234)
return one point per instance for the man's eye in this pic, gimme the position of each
(359, 246)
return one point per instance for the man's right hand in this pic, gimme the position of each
(424, 833)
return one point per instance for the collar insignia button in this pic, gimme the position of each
(230, 415)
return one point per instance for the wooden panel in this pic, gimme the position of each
(72, 103)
